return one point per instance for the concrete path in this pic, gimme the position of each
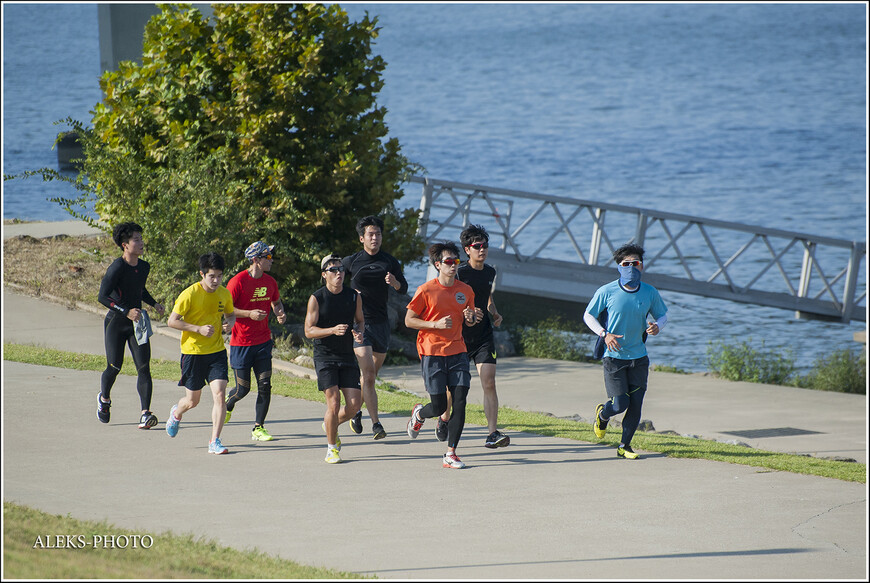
(542, 508)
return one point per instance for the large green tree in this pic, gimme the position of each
(260, 122)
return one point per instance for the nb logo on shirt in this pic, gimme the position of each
(260, 292)
(460, 298)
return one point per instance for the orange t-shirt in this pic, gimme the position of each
(433, 301)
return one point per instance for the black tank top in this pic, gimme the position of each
(480, 281)
(334, 309)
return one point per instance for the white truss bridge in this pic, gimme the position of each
(561, 248)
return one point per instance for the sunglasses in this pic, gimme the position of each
(451, 261)
(479, 246)
(335, 269)
(631, 263)
(268, 256)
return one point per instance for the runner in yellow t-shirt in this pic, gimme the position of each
(198, 312)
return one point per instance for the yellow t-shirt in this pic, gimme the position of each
(199, 307)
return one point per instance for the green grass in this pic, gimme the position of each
(167, 556)
(400, 403)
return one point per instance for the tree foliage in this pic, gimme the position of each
(260, 122)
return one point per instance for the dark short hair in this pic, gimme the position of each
(436, 250)
(473, 234)
(626, 250)
(124, 232)
(369, 221)
(211, 261)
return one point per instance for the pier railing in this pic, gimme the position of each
(562, 248)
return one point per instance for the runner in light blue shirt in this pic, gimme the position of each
(628, 302)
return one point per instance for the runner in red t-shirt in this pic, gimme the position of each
(251, 340)
(437, 310)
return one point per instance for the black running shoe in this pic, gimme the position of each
(103, 409)
(497, 439)
(147, 420)
(441, 430)
(378, 431)
(356, 423)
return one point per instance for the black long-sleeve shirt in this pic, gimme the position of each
(123, 286)
(366, 274)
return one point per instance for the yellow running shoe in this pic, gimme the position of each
(260, 434)
(599, 426)
(332, 456)
(626, 452)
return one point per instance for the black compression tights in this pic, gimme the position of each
(118, 331)
(631, 403)
(438, 405)
(263, 370)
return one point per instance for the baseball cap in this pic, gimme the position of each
(258, 249)
(325, 261)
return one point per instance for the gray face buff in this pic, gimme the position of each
(629, 275)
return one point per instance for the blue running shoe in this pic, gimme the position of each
(172, 423)
(217, 447)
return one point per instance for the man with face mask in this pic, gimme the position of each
(628, 301)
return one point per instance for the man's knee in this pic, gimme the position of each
(620, 403)
(264, 382)
(460, 395)
(243, 386)
(439, 404)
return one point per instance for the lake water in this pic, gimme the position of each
(738, 112)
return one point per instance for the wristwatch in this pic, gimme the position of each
(603, 333)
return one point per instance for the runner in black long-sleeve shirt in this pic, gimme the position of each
(372, 272)
(122, 291)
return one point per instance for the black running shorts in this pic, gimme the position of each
(377, 336)
(198, 370)
(440, 372)
(482, 352)
(344, 375)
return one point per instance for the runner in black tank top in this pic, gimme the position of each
(334, 321)
(334, 309)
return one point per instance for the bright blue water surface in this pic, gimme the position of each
(748, 113)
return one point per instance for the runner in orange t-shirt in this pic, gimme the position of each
(437, 310)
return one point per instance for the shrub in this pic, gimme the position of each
(551, 338)
(668, 368)
(742, 362)
(843, 370)
(260, 122)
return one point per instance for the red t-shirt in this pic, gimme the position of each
(433, 301)
(252, 294)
